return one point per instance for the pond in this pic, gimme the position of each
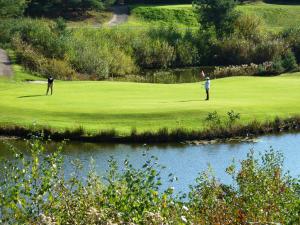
(185, 161)
(170, 76)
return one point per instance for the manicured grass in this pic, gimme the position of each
(275, 16)
(105, 105)
(182, 15)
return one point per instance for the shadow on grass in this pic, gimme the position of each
(198, 100)
(30, 96)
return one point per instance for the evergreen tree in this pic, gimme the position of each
(217, 14)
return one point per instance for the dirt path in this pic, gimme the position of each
(120, 15)
(5, 65)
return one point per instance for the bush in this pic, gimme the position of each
(36, 190)
(292, 37)
(249, 27)
(277, 66)
(33, 61)
(267, 50)
(93, 53)
(40, 34)
(12, 8)
(153, 53)
(58, 69)
(289, 61)
(234, 51)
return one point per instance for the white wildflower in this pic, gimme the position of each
(183, 218)
(185, 208)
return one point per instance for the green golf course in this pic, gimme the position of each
(275, 17)
(103, 105)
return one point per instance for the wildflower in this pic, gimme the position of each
(47, 220)
(185, 208)
(93, 212)
(183, 218)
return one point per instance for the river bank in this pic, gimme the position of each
(164, 135)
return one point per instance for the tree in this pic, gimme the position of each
(54, 8)
(217, 14)
(12, 8)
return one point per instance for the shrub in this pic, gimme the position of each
(186, 54)
(233, 117)
(93, 53)
(249, 27)
(267, 50)
(292, 37)
(277, 66)
(153, 53)
(234, 51)
(59, 69)
(27, 56)
(213, 119)
(40, 34)
(33, 61)
(12, 8)
(289, 61)
(36, 190)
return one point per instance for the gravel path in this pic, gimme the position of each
(5, 65)
(120, 15)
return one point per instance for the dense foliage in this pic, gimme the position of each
(60, 7)
(218, 15)
(36, 190)
(98, 54)
(12, 8)
(50, 8)
(227, 39)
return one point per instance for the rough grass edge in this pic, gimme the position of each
(163, 135)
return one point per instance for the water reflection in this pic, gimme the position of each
(170, 76)
(185, 161)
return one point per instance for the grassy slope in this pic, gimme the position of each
(275, 16)
(105, 105)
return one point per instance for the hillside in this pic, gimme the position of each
(275, 16)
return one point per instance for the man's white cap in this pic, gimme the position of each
(207, 78)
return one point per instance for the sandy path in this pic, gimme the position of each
(5, 65)
(120, 15)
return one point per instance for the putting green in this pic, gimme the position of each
(121, 105)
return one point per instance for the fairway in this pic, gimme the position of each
(97, 105)
(275, 17)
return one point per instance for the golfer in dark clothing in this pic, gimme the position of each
(50, 84)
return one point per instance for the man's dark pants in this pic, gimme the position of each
(207, 94)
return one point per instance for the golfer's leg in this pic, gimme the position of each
(207, 94)
(51, 89)
(47, 90)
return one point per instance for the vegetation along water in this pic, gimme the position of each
(132, 74)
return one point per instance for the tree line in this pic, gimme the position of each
(51, 8)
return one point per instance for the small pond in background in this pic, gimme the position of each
(170, 76)
(185, 161)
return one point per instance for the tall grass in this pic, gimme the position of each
(164, 135)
